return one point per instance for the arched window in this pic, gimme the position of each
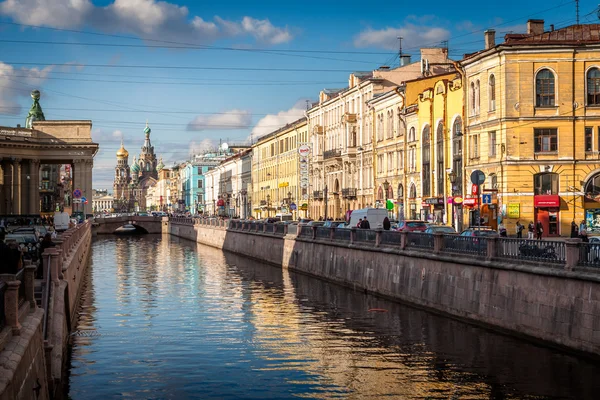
(592, 188)
(380, 194)
(412, 134)
(412, 194)
(545, 183)
(390, 194)
(492, 92)
(400, 127)
(473, 98)
(593, 87)
(400, 191)
(544, 88)
(426, 164)
(477, 97)
(390, 127)
(493, 181)
(441, 169)
(457, 136)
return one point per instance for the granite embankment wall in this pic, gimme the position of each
(33, 340)
(537, 300)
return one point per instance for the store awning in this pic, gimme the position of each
(542, 201)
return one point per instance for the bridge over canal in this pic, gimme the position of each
(143, 224)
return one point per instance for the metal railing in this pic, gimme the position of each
(390, 238)
(305, 231)
(331, 154)
(365, 235)
(20, 276)
(476, 245)
(421, 240)
(280, 229)
(532, 250)
(349, 193)
(589, 255)
(323, 233)
(46, 297)
(342, 234)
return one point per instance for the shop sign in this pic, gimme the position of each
(284, 184)
(457, 200)
(434, 200)
(546, 201)
(470, 202)
(474, 190)
(514, 210)
(304, 150)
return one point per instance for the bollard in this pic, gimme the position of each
(331, 233)
(403, 240)
(11, 306)
(29, 282)
(574, 249)
(438, 242)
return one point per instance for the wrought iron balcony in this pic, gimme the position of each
(332, 154)
(318, 195)
(349, 193)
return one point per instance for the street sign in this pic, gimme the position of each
(486, 198)
(293, 206)
(77, 201)
(77, 193)
(477, 177)
(83, 200)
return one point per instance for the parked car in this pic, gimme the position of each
(483, 231)
(331, 224)
(411, 226)
(316, 223)
(441, 229)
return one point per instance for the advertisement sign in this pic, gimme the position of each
(514, 210)
(304, 150)
(474, 190)
(546, 201)
(470, 202)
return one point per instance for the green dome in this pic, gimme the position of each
(147, 129)
(135, 167)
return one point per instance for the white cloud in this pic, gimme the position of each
(272, 122)
(16, 83)
(150, 19)
(413, 36)
(232, 119)
(202, 147)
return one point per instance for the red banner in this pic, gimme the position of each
(546, 201)
(474, 190)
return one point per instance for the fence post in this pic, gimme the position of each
(285, 229)
(438, 242)
(331, 232)
(29, 278)
(377, 237)
(352, 235)
(403, 239)
(573, 249)
(314, 232)
(492, 248)
(11, 306)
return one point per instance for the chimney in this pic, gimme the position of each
(535, 26)
(384, 68)
(404, 60)
(18, 125)
(490, 38)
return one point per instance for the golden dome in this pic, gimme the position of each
(122, 153)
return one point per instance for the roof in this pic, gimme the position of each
(333, 91)
(574, 34)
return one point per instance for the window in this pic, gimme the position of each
(400, 127)
(413, 191)
(380, 128)
(457, 154)
(380, 164)
(412, 159)
(477, 97)
(441, 170)
(492, 143)
(593, 87)
(400, 163)
(390, 125)
(589, 134)
(545, 183)
(544, 88)
(426, 157)
(545, 140)
(400, 191)
(390, 162)
(199, 184)
(493, 181)
(474, 146)
(492, 92)
(473, 98)
(412, 134)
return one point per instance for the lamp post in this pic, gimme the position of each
(386, 186)
(452, 176)
(268, 205)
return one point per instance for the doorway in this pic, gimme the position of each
(550, 219)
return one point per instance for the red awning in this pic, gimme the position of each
(546, 201)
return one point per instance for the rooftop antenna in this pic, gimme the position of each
(577, 10)
(399, 48)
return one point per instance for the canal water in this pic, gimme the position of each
(164, 318)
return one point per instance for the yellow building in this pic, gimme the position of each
(276, 172)
(433, 172)
(533, 126)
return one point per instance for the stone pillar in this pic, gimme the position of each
(2, 188)
(573, 253)
(7, 189)
(16, 179)
(352, 234)
(11, 306)
(25, 177)
(30, 283)
(377, 237)
(34, 186)
(403, 240)
(438, 242)
(492, 248)
(87, 193)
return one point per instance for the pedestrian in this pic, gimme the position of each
(519, 228)
(539, 228)
(530, 230)
(359, 225)
(502, 230)
(386, 224)
(574, 230)
(582, 226)
(366, 224)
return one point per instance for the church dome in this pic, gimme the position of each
(147, 130)
(122, 153)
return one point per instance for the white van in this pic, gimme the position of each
(61, 221)
(375, 216)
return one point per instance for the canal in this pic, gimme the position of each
(164, 318)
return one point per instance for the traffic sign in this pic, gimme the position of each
(77, 201)
(477, 177)
(486, 198)
(293, 206)
(77, 193)
(84, 200)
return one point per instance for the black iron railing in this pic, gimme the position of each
(533, 250)
(465, 245)
(349, 193)
(331, 154)
(418, 239)
(318, 194)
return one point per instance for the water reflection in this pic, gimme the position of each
(164, 318)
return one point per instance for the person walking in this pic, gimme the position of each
(530, 230)
(574, 230)
(366, 224)
(386, 224)
(359, 225)
(502, 230)
(582, 226)
(539, 229)
(519, 229)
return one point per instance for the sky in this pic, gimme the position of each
(202, 72)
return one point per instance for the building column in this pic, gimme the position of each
(7, 168)
(89, 164)
(3, 188)
(16, 199)
(34, 186)
(25, 177)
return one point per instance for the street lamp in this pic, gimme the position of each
(386, 186)
(268, 205)
(452, 176)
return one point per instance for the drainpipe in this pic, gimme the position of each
(404, 147)
(573, 133)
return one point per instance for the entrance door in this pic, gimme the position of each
(541, 214)
(553, 222)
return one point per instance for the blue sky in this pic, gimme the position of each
(75, 52)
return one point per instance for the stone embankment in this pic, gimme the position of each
(551, 294)
(34, 330)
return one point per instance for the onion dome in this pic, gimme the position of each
(122, 153)
(160, 165)
(147, 130)
(135, 167)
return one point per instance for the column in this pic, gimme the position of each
(25, 178)
(3, 189)
(77, 181)
(89, 164)
(16, 179)
(34, 186)
(7, 168)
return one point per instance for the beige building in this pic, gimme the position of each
(343, 134)
(276, 172)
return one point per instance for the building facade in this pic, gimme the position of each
(227, 186)
(276, 179)
(533, 126)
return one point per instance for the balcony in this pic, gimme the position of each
(349, 193)
(350, 118)
(318, 195)
(331, 154)
(319, 130)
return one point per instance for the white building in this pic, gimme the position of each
(227, 186)
(102, 203)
